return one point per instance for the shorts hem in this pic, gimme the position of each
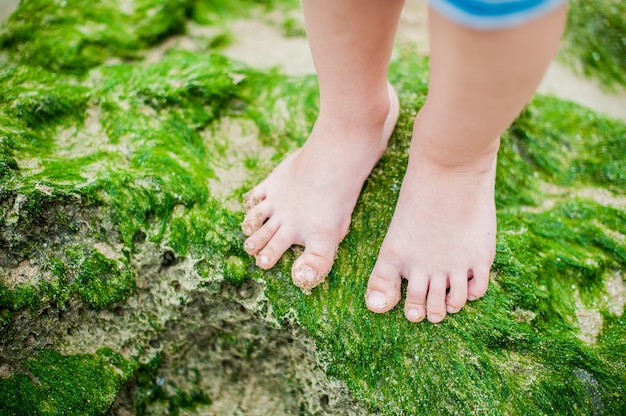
(493, 16)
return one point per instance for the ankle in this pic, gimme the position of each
(479, 164)
(449, 151)
(369, 111)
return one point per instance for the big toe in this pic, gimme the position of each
(383, 288)
(312, 267)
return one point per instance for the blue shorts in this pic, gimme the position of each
(493, 14)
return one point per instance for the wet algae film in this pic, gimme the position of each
(124, 288)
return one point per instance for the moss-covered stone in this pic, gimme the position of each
(119, 229)
(72, 36)
(54, 384)
(594, 40)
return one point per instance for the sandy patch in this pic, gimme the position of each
(196, 40)
(233, 141)
(6, 8)
(108, 251)
(262, 45)
(413, 27)
(555, 194)
(616, 291)
(563, 83)
(590, 323)
(25, 273)
(590, 319)
(79, 141)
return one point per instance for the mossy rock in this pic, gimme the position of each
(124, 286)
(594, 40)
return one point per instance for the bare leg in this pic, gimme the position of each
(309, 198)
(442, 235)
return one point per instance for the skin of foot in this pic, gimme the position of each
(309, 198)
(441, 239)
(442, 235)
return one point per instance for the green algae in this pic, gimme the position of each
(98, 280)
(595, 42)
(72, 36)
(85, 273)
(583, 149)
(213, 12)
(56, 384)
(151, 389)
(142, 189)
(20, 297)
(150, 172)
(35, 104)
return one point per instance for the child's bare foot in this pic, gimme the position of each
(309, 198)
(441, 239)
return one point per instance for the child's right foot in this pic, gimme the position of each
(309, 198)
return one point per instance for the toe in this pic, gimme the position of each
(436, 298)
(477, 285)
(457, 296)
(255, 218)
(383, 288)
(278, 244)
(312, 267)
(415, 303)
(257, 241)
(252, 198)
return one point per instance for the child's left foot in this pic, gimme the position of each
(441, 239)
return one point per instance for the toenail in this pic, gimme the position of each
(306, 273)
(435, 318)
(262, 260)
(376, 300)
(471, 298)
(249, 245)
(414, 315)
(451, 309)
